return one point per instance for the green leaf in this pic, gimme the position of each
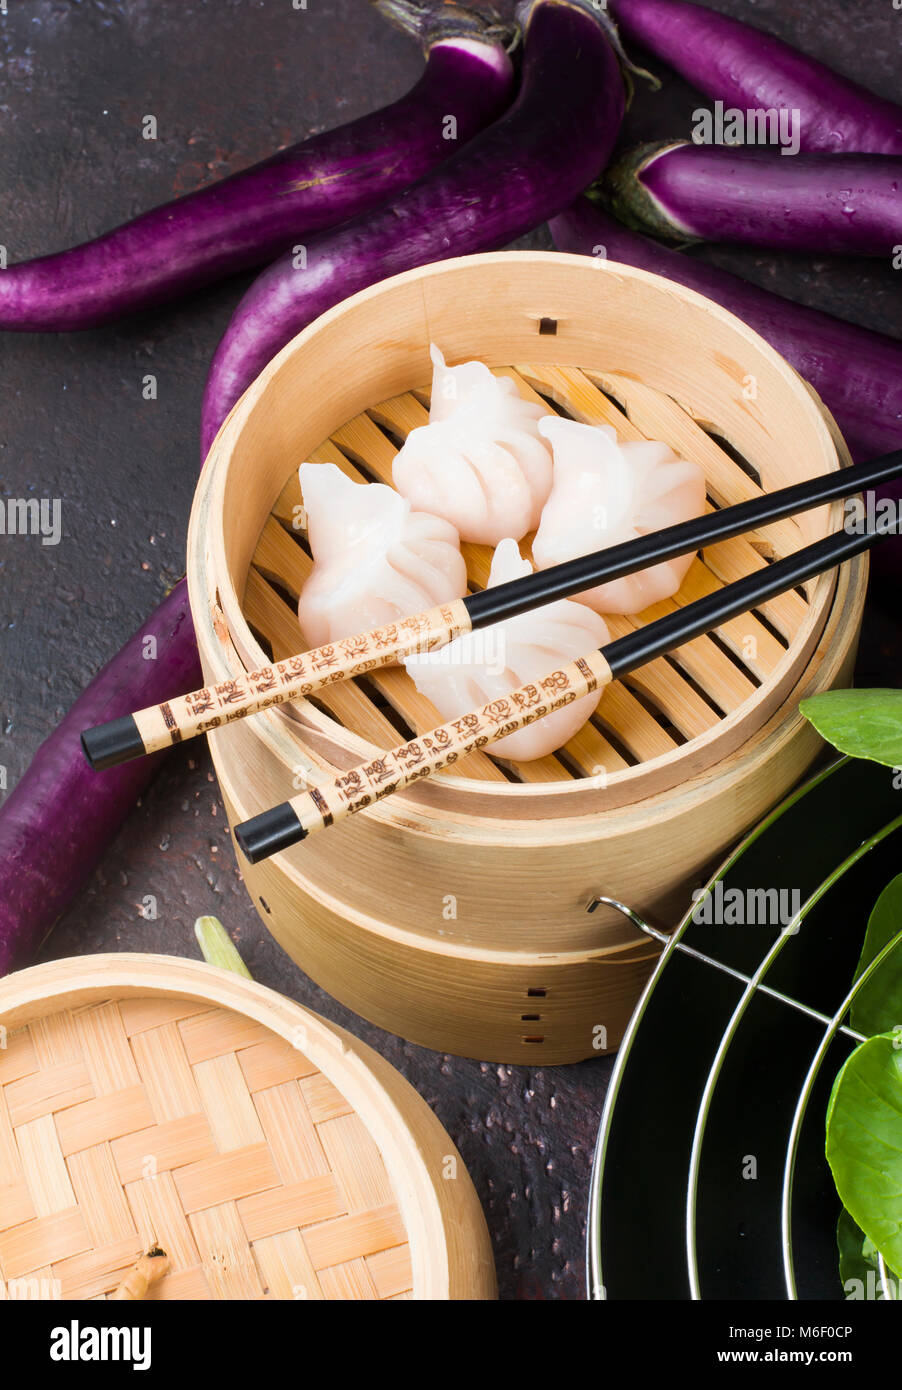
(864, 1143)
(862, 723)
(877, 1008)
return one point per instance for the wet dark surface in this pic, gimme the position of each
(228, 83)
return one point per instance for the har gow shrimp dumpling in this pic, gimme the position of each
(376, 560)
(604, 492)
(481, 462)
(491, 662)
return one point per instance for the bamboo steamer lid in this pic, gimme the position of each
(156, 1100)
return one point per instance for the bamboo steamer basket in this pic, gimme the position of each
(154, 1100)
(455, 913)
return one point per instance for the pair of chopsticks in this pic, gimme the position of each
(299, 676)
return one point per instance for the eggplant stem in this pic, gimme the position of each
(405, 15)
(598, 8)
(621, 192)
(430, 23)
(510, 36)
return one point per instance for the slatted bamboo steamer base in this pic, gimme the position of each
(455, 913)
(153, 1100)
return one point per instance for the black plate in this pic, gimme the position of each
(638, 1230)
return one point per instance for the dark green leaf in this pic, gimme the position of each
(864, 1143)
(862, 723)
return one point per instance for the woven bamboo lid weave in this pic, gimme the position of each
(152, 1099)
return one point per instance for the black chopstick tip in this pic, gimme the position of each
(110, 744)
(269, 832)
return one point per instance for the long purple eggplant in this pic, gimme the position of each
(59, 818)
(249, 218)
(57, 821)
(531, 163)
(847, 203)
(856, 372)
(747, 69)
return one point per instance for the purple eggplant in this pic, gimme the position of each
(746, 69)
(57, 821)
(59, 818)
(249, 218)
(848, 203)
(856, 372)
(531, 163)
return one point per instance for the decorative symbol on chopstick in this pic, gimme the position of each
(497, 711)
(321, 805)
(354, 646)
(198, 704)
(263, 681)
(378, 771)
(323, 659)
(385, 637)
(411, 755)
(587, 672)
(230, 692)
(526, 697)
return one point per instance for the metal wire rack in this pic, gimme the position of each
(829, 1026)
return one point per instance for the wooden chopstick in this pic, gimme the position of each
(159, 726)
(322, 806)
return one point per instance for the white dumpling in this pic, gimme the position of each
(375, 559)
(480, 462)
(489, 663)
(605, 492)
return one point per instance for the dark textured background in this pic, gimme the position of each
(229, 81)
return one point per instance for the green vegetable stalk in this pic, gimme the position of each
(217, 946)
